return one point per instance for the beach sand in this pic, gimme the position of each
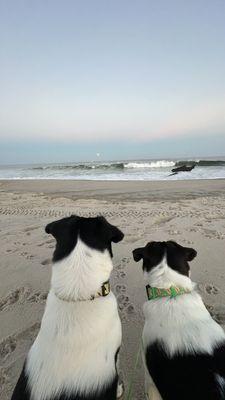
(190, 212)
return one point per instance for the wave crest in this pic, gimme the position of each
(132, 165)
(152, 164)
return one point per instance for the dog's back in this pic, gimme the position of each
(184, 348)
(189, 358)
(75, 353)
(69, 354)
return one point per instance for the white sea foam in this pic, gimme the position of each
(152, 164)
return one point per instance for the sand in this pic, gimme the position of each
(190, 212)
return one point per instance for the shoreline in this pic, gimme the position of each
(118, 190)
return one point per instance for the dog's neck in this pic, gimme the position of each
(184, 325)
(162, 276)
(81, 275)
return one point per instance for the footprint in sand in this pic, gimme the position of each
(37, 297)
(21, 295)
(120, 289)
(217, 312)
(123, 301)
(26, 255)
(174, 232)
(124, 304)
(123, 263)
(189, 242)
(10, 251)
(130, 309)
(7, 346)
(3, 377)
(46, 262)
(31, 228)
(13, 297)
(46, 242)
(211, 289)
(120, 274)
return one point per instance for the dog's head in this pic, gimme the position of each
(177, 256)
(97, 233)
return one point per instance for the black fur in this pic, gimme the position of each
(21, 391)
(177, 256)
(96, 233)
(186, 377)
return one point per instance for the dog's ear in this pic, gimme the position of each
(138, 254)
(58, 228)
(190, 253)
(116, 234)
(111, 232)
(65, 231)
(55, 228)
(52, 228)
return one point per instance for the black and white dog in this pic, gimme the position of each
(75, 354)
(184, 348)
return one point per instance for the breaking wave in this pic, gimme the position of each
(81, 166)
(129, 165)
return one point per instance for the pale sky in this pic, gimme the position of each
(88, 75)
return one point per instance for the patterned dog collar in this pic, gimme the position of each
(172, 292)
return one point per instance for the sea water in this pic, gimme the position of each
(146, 170)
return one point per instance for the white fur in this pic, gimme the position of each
(162, 276)
(81, 274)
(183, 323)
(75, 348)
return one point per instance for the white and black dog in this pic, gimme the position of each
(75, 354)
(184, 348)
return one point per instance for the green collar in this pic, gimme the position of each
(172, 292)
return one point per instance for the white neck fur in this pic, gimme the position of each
(162, 276)
(80, 275)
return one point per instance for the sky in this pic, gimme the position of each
(123, 78)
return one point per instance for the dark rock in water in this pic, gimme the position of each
(183, 168)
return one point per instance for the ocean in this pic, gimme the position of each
(147, 170)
